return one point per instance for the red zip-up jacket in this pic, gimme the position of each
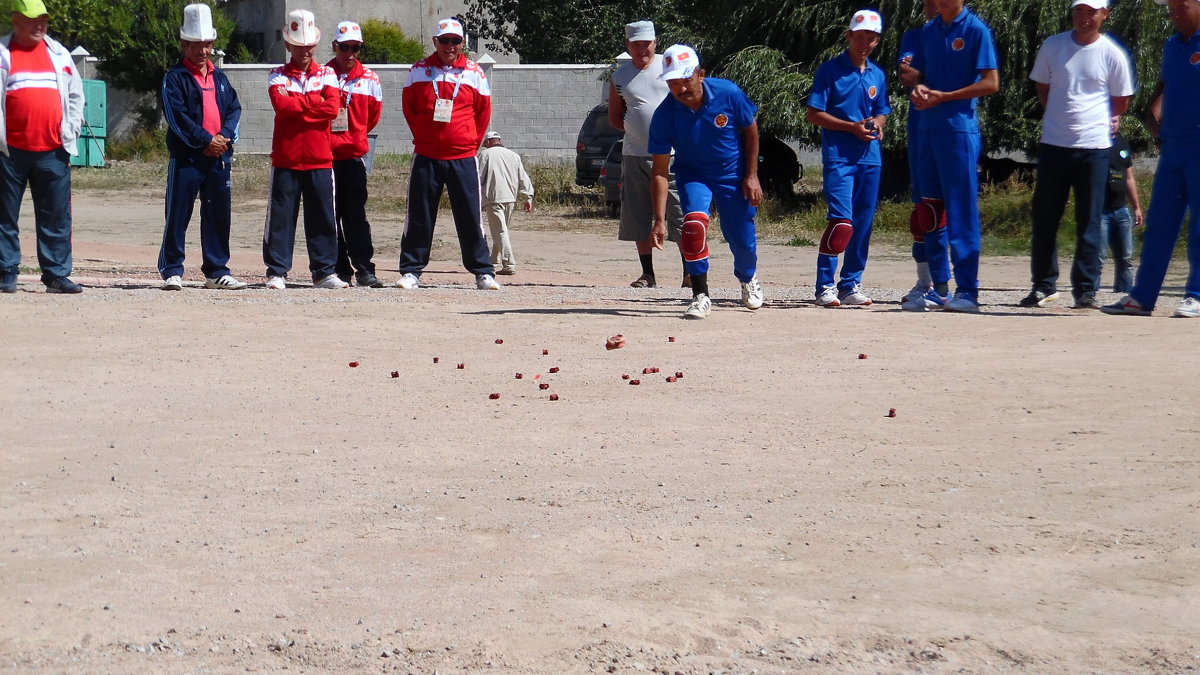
(463, 134)
(362, 97)
(305, 102)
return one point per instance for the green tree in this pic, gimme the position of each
(385, 42)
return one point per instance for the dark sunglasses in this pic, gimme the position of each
(449, 40)
(349, 48)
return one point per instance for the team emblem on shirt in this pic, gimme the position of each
(958, 44)
(721, 120)
(872, 91)
(1195, 58)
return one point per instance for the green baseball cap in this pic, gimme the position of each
(30, 8)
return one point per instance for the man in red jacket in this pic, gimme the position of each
(306, 99)
(448, 105)
(362, 106)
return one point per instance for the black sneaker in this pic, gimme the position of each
(62, 285)
(1037, 298)
(1086, 302)
(367, 279)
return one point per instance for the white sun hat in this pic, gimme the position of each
(301, 29)
(197, 24)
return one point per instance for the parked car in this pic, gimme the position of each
(596, 138)
(610, 179)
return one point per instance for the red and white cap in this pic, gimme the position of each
(867, 19)
(679, 62)
(301, 29)
(449, 27)
(348, 31)
(1096, 4)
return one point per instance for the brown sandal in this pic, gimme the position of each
(644, 281)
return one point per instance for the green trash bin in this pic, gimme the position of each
(95, 125)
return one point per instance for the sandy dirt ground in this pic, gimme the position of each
(198, 482)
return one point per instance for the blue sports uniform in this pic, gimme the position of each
(852, 167)
(1177, 179)
(710, 162)
(908, 49)
(951, 57)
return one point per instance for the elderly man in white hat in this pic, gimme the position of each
(40, 118)
(1083, 80)
(504, 182)
(633, 95)
(202, 112)
(362, 108)
(306, 98)
(448, 106)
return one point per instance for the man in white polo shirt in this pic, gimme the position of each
(1083, 79)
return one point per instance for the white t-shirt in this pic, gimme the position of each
(642, 91)
(1082, 81)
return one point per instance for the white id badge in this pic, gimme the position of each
(443, 109)
(341, 123)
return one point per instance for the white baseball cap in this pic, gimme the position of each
(1096, 4)
(348, 31)
(301, 29)
(867, 19)
(490, 135)
(679, 62)
(449, 27)
(639, 31)
(197, 24)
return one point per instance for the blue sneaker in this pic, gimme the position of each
(62, 285)
(924, 303)
(8, 282)
(963, 302)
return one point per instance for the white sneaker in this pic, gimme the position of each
(1188, 309)
(227, 282)
(276, 283)
(918, 291)
(962, 303)
(828, 297)
(752, 294)
(331, 281)
(699, 308)
(174, 283)
(487, 282)
(409, 280)
(855, 296)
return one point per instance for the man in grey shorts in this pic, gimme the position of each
(633, 97)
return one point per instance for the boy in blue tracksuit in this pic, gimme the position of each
(202, 112)
(711, 125)
(849, 101)
(1174, 113)
(954, 64)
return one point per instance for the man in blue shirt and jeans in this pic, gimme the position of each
(849, 101)
(711, 125)
(1175, 114)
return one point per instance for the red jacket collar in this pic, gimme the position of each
(432, 61)
(313, 69)
(355, 72)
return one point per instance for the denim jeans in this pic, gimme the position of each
(1059, 171)
(1116, 228)
(48, 175)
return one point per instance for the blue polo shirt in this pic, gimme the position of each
(1181, 89)
(707, 142)
(908, 49)
(847, 93)
(950, 57)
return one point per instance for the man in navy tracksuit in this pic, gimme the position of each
(202, 112)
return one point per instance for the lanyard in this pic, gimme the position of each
(437, 92)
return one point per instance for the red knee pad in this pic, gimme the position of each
(837, 236)
(693, 242)
(928, 216)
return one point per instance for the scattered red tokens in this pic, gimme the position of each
(862, 356)
(554, 369)
(499, 341)
(671, 378)
(625, 376)
(545, 352)
(679, 373)
(519, 376)
(493, 396)
(435, 359)
(553, 397)
(891, 412)
(544, 385)
(395, 373)
(354, 364)
(615, 342)
(671, 338)
(461, 366)
(635, 382)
